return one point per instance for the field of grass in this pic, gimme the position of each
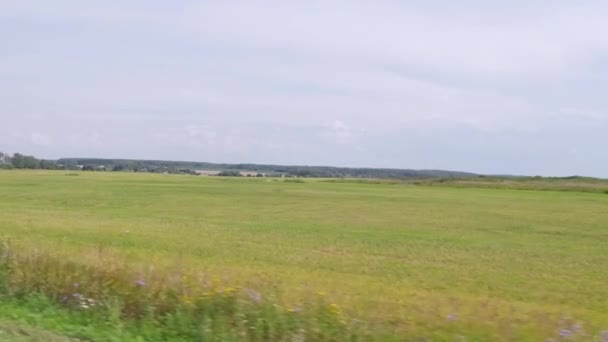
(427, 262)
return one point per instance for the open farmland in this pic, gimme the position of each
(415, 261)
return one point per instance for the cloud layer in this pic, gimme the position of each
(512, 88)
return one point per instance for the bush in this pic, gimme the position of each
(229, 174)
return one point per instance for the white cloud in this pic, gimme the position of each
(40, 139)
(339, 132)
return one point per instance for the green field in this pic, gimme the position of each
(418, 261)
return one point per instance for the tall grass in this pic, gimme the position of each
(170, 305)
(162, 306)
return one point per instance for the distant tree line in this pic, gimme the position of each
(21, 161)
(229, 173)
(234, 170)
(95, 164)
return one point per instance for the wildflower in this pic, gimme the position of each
(565, 333)
(604, 336)
(86, 303)
(254, 295)
(76, 285)
(140, 282)
(334, 308)
(452, 317)
(76, 295)
(300, 337)
(294, 309)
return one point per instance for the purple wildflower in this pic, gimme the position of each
(140, 282)
(76, 285)
(254, 295)
(76, 295)
(565, 333)
(604, 336)
(452, 317)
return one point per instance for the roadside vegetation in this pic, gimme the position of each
(104, 299)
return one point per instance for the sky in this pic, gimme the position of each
(511, 87)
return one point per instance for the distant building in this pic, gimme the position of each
(206, 172)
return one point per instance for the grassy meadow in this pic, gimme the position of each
(383, 259)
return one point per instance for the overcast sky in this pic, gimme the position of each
(518, 87)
